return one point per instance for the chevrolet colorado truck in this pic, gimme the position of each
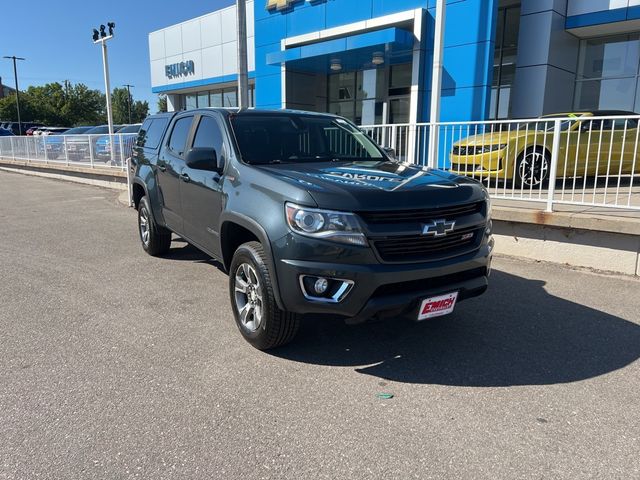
(307, 214)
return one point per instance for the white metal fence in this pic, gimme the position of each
(95, 151)
(577, 160)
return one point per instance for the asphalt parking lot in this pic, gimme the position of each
(117, 365)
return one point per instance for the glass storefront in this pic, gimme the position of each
(607, 77)
(226, 97)
(504, 61)
(374, 96)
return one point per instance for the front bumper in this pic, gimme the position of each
(384, 290)
(481, 166)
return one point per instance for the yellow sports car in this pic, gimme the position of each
(521, 152)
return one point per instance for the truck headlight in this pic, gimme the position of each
(325, 224)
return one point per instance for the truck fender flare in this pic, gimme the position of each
(255, 228)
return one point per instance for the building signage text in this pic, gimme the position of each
(182, 69)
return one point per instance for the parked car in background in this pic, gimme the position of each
(54, 143)
(109, 149)
(46, 131)
(522, 153)
(80, 147)
(6, 133)
(29, 127)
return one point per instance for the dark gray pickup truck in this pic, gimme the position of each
(309, 215)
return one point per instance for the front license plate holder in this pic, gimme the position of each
(437, 306)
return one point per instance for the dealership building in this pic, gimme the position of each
(371, 60)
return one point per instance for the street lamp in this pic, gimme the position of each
(15, 75)
(102, 37)
(129, 87)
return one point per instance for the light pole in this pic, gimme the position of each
(102, 38)
(243, 76)
(129, 87)
(15, 75)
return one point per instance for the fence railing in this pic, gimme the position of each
(95, 151)
(577, 160)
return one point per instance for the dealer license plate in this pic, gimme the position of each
(437, 306)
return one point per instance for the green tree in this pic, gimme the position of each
(162, 103)
(140, 111)
(120, 104)
(55, 104)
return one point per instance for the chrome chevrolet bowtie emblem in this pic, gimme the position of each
(438, 228)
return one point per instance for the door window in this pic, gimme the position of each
(151, 132)
(179, 135)
(209, 135)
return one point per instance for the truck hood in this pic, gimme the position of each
(377, 185)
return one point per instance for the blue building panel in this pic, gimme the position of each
(468, 55)
(596, 18)
(343, 13)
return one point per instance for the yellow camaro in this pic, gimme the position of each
(521, 152)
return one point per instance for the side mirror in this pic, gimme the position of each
(391, 152)
(203, 159)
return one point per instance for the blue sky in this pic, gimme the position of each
(55, 38)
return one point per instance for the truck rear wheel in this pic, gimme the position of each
(256, 312)
(155, 239)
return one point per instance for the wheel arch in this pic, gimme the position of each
(237, 229)
(138, 190)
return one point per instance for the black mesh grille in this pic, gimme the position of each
(416, 248)
(421, 216)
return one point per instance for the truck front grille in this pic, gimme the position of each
(420, 216)
(420, 248)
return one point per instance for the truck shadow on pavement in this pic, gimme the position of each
(516, 334)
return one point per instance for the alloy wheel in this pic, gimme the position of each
(144, 226)
(533, 169)
(248, 297)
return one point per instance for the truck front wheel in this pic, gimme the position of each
(256, 312)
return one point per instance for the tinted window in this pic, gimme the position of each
(208, 135)
(76, 131)
(300, 138)
(151, 132)
(130, 129)
(179, 135)
(98, 130)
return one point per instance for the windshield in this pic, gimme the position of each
(291, 138)
(76, 131)
(130, 129)
(564, 125)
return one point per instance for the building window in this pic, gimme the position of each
(191, 102)
(360, 96)
(504, 61)
(227, 97)
(607, 77)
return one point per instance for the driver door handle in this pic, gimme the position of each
(185, 178)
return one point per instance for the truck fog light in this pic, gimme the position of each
(327, 290)
(321, 285)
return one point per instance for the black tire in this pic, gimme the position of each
(532, 169)
(155, 240)
(261, 323)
